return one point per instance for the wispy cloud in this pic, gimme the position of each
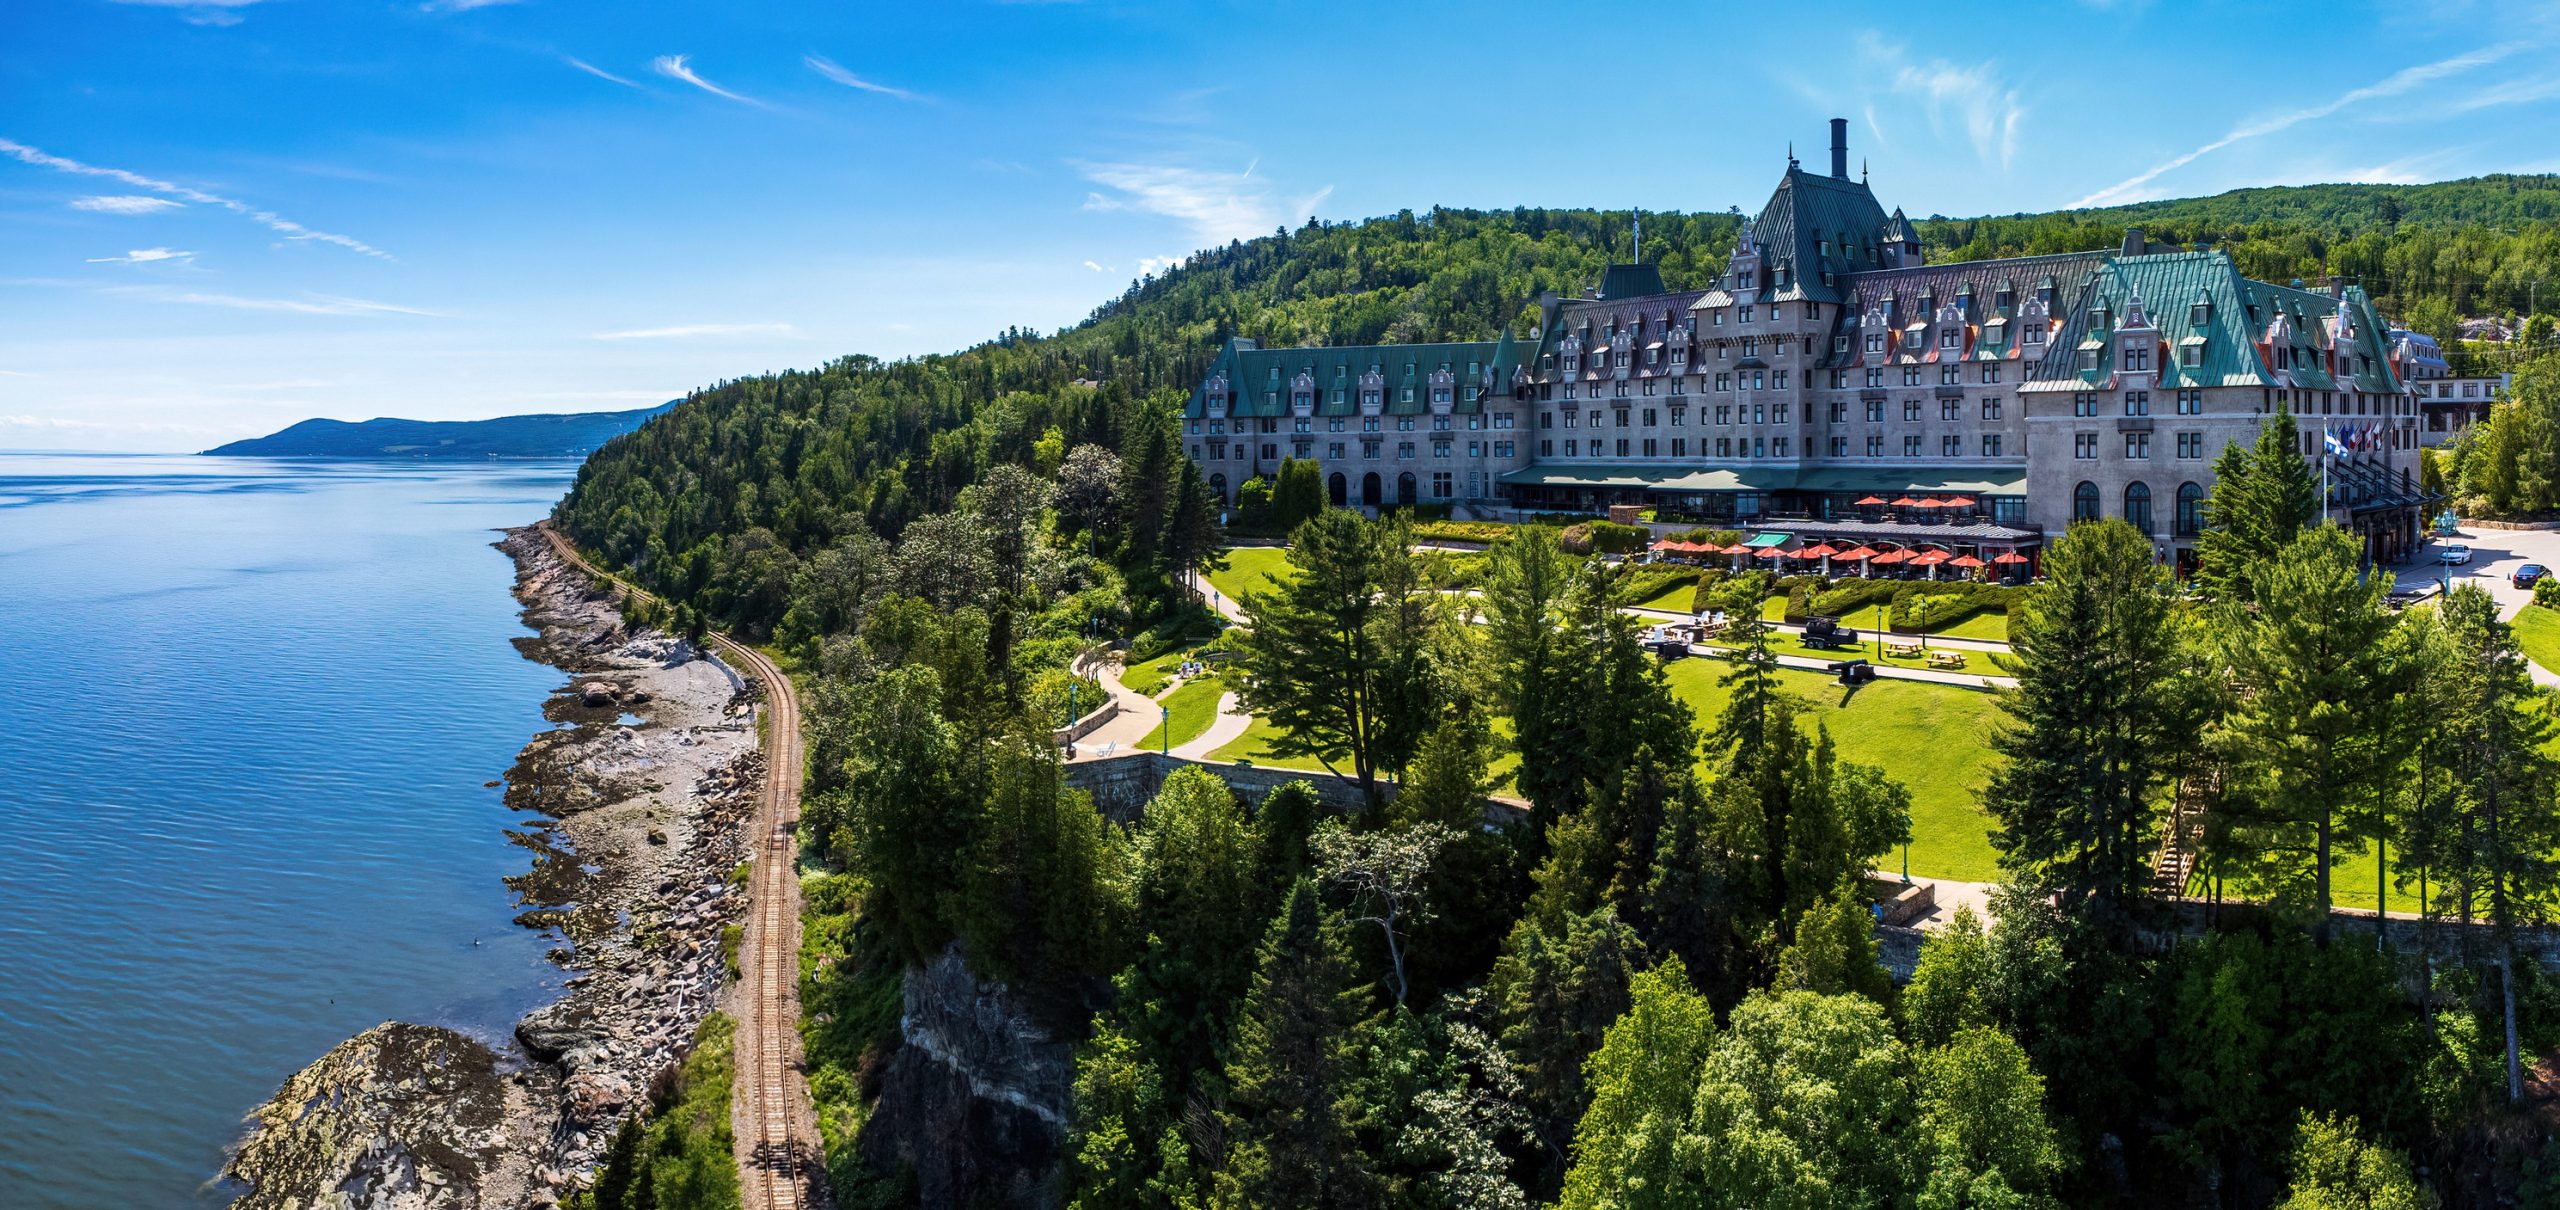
(597, 72)
(674, 67)
(125, 204)
(1095, 267)
(310, 304)
(24, 421)
(143, 256)
(1216, 206)
(198, 12)
(2392, 85)
(829, 68)
(459, 6)
(688, 331)
(1975, 98)
(269, 219)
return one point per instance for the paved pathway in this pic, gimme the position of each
(2495, 556)
(1138, 715)
(1227, 728)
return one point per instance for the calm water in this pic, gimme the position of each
(246, 711)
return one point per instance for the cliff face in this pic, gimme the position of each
(974, 1102)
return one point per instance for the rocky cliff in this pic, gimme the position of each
(974, 1100)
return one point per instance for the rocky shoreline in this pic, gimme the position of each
(638, 804)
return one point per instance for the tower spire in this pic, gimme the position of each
(1638, 242)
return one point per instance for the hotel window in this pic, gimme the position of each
(1951, 446)
(1440, 449)
(1950, 409)
(2190, 355)
(1839, 447)
(1781, 412)
(1742, 315)
(1758, 380)
(1991, 445)
(1949, 376)
(1724, 413)
(1649, 421)
(1679, 447)
(1839, 380)
(1622, 447)
(2137, 505)
(2035, 334)
(1404, 424)
(1990, 374)
(1875, 342)
(2084, 403)
(1622, 417)
(1875, 411)
(1759, 447)
(1724, 382)
(1270, 450)
(1875, 445)
(1302, 425)
(1502, 449)
(1443, 485)
(1333, 449)
(1991, 408)
(1759, 413)
(1649, 450)
(2191, 445)
(1679, 417)
(2084, 501)
(1911, 445)
(1950, 339)
(1333, 425)
(2137, 358)
(1875, 378)
(1679, 386)
(2137, 403)
(2137, 445)
(1724, 447)
(1440, 424)
(1750, 344)
(1911, 376)
(1839, 411)
(2191, 403)
(1571, 447)
(1404, 450)
(1368, 424)
(2084, 446)
(1910, 409)
(1546, 449)
(1780, 380)
(1778, 446)
(2190, 510)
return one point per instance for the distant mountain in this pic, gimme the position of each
(557, 435)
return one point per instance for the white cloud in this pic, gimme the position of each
(1975, 98)
(267, 218)
(1149, 264)
(125, 204)
(1216, 206)
(674, 67)
(143, 256)
(2394, 84)
(198, 12)
(685, 331)
(828, 68)
(597, 72)
(1096, 268)
(313, 304)
(459, 6)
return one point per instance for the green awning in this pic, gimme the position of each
(1983, 481)
(1766, 540)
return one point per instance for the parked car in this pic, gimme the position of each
(2527, 575)
(2454, 555)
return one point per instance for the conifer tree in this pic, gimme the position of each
(1834, 952)
(1526, 582)
(2094, 721)
(1331, 652)
(1289, 1136)
(1555, 992)
(2310, 664)
(2505, 779)
(2263, 496)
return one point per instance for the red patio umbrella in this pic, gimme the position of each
(1928, 502)
(1773, 552)
(1960, 502)
(1822, 551)
(1870, 501)
(1892, 556)
(1968, 562)
(2008, 556)
(1928, 557)
(1859, 552)
(1905, 502)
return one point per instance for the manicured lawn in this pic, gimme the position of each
(1984, 625)
(1191, 709)
(2538, 632)
(1933, 738)
(1147, 676)
(1255, 745)
(1676, 598)
(1789, 643)
(1250, 569)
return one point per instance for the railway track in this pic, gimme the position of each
(777, 1145)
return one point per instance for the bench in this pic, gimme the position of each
(1903, 651)
(1946, 659)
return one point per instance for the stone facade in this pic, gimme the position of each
(1830, 374)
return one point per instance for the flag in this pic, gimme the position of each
(2330, 437)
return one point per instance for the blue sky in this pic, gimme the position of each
(221, 216)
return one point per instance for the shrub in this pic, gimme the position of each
(1647, 581)
(2546, 592)
(1462, 531)
(1948, 604)
(1603, 537)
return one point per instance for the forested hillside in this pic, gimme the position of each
(1662, 988)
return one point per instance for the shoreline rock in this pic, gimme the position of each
(634, 829)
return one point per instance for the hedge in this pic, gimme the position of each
(1645, 581)
(1463, 531)
(1950, 603)
(1603, 537)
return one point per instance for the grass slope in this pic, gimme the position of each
(1190, 710)
(1251, 569)
(2538, 632)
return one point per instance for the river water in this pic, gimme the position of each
(247, 711)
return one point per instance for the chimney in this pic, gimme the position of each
(1840, 149)
(2134, 244)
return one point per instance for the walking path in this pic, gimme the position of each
(1228, 727)
(773, 1120)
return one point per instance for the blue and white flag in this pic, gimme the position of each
(2336, 447)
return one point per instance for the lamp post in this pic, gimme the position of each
(1906, 863)
(1164, 727)
(1879, 630)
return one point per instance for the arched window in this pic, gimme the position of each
(2190, 510)
(1338, 489)
(1218, 488)
(1405, 488)
(2084, 501)
(2137, 505)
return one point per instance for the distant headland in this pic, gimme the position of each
(553, 435)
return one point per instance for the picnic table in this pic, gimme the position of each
(1904, 651)
(1946, 659)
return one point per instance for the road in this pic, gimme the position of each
(2495, 556)
(774, 1121)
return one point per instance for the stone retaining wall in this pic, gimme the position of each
(1088, 724)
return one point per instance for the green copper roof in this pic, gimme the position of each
(1815, 223)
(1261, 381)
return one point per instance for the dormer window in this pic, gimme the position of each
(2200, 314)
(2035, 334)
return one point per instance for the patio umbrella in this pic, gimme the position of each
(1905, 502)
(1820, 551)
(2008, 556)
(1928, 502)
(1855, 552)
(1871, 501)
(1929, 559)
(1891, 556)
(1772, 552)
(1967, 562)
(1960, 502)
